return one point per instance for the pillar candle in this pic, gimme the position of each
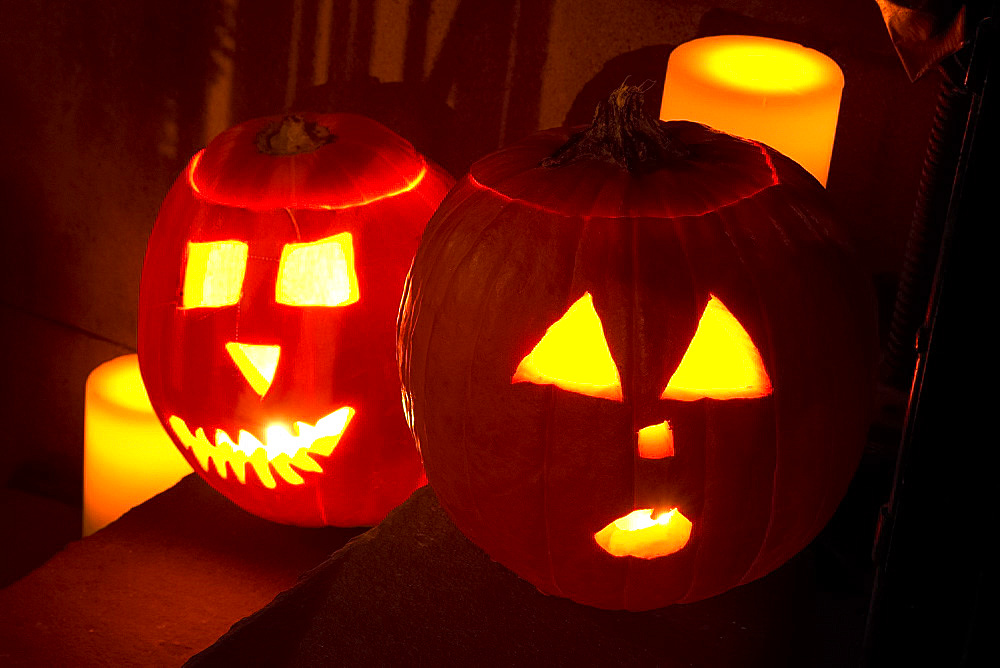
(779, 93)
(127, 456)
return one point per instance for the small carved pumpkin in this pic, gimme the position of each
(639, 370)
(266, 315)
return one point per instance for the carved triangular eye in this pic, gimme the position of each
(574, 356)
(721, 361)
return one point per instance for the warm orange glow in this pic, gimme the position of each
(280, 451)
(319, 273)
(573, 355)
(767, 66)
(213, 274)
(405, 189)
(191, 167)
(192, 179)
(257, 363)
(127, 456)
(776, 92)
(656, 441)
(721, 361)
(639, 535)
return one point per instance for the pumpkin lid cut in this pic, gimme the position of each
(305, 161)
(625, 161)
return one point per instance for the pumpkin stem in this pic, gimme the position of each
(293, 135)
(623, 134)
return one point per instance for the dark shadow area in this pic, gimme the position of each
(34, 527)
(260, 59)
(409, 110)
(483, 88)
(158, 584)
(643, 67)
(415, 590)
(102, 107)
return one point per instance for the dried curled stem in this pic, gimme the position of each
(293, 135)
(623, 134)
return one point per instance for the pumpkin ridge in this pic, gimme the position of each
(445, 290)
(768, 331)
(749, 276)
(631, 389)
(475, 345)
(696, 285)
(416, 305)
(764, 561)
(551, 399)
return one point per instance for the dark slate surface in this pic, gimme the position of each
(156, 586)
(414, 591)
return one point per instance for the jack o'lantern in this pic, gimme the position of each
(267, 315)
(637, 359)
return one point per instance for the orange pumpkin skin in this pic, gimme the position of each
(366, 182)
(531, 472)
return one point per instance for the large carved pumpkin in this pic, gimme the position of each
(639, 370)
(267, 312)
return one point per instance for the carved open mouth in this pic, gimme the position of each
(639, 535)
(280, 451)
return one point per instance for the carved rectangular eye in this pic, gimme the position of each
(721, 361)
(318, 273)
(213, 274)
(573, 355)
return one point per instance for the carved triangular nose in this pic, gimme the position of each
(257, 363)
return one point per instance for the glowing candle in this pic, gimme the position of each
(127, 456)
(779, 93)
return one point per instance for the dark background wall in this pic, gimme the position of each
(104, 102)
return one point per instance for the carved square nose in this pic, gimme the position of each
(257, 363)
(656, 441)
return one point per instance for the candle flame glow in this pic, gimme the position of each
(638, 534)
(280, 450)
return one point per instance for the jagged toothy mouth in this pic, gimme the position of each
(280, 451)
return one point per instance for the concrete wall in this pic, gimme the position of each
(105, 100)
